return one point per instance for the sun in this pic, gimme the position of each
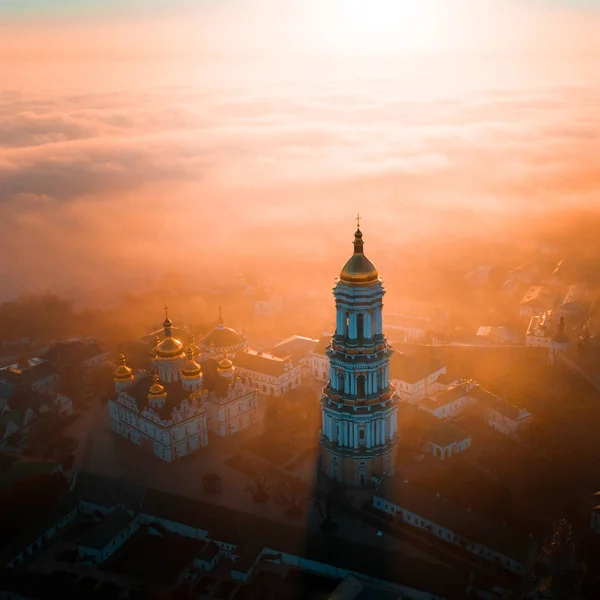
(386, 26)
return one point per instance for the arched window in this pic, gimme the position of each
(347, 325)
(360, 326)
(340, 381)
(360, 386)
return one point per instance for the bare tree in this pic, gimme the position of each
(328, 500)
(292, 496)
(258, 488)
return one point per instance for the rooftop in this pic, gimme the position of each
(294, 347)
(444, 434)
(465, 523)
(107, 529)
(411, 369)
(260, 362)
(446, 397)
(322, 345)
(536, 295)
(355, 588)
(104, 491)
(497, 403)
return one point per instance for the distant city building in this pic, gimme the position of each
(468, 396)
(499, 414)
(525, 273)
(560, 342)
(480, 276)
(299, 350)
(27, 392)
(76, 359)
(413, 377)
(319, 361)
(449, 403)
(465, 529)
(573, 303)
(540, 330)
(497, 335)
(266, 304)
(406, 328)
(41, 377)
(441, 439)
(359, 406)
(536, 300)
(274, 376)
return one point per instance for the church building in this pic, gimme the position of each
(359, 405)
(168, 413)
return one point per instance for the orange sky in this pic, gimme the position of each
(261, 122)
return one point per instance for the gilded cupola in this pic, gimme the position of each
(358, 269)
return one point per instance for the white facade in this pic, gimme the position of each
(448, 535)
(416, 380)
(234, 412)
(449, 403)
(168, 436)
(446, 450)
(510, 425)
(273, 376)
(319, 361)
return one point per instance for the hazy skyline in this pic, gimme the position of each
(161, 135)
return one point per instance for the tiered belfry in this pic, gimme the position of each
(359, 406)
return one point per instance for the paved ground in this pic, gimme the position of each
(102, 452)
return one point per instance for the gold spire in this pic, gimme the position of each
(225, 363)
(359, 269)
(220, 321)
(156, 389)
(167, 323)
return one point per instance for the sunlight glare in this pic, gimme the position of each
(387, 26)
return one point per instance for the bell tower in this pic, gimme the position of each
(359, 406)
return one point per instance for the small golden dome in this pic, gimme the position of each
(122, 372)
(191, 368)
(358, 269)
(156, 389)
(224, 363)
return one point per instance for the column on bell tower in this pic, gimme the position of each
(368, 325)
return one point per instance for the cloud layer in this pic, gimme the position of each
(113, 186)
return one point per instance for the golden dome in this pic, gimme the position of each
(225, 363)
(358, 269)
(222, 337)
(169, 349)
(157, 389)
(191, 368)
(122, 372)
